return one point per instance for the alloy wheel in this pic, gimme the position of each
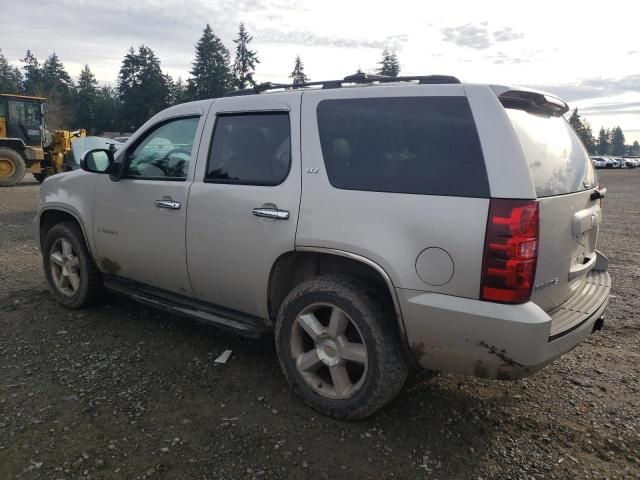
(329, 351)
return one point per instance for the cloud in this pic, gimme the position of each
(478, 36)
(506, 35)
(469, 35)
(272, 35)
(595, 88)
(502, 58)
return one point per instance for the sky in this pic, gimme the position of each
(588, 56)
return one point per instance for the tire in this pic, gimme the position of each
(368, 349)
(71, 274)
(12, 167)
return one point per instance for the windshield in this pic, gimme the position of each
(557, 159)
(27, 113)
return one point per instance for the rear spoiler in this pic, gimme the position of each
(531, 101)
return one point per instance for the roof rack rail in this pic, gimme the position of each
(357, 78)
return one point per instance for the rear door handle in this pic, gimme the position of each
(271, 213)
(170, 204)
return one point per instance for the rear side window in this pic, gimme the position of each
(250, 149)
(558, 161)
(420, 145)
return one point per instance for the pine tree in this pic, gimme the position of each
(142, 87)
(32, 74)
(106, 113)
(211, 74)
(10, 77)
(389, 65)
(245, 62)
(583, 130)
(617, 141)
(298, 76)
(635, 148)
(55, 79)
(603, 142)
(85, 100)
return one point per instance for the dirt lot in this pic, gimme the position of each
(123, 391)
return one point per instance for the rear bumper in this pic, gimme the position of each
(494, 340)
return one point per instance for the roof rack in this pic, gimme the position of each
(357, 78)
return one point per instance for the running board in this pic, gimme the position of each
(243, 324)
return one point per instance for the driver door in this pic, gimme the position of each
(140, 220)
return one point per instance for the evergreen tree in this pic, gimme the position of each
(583, 129)
(298, 76)
(142, 87)
(55, 79)
(178, 92)
(603, 142)
(85, 100)
(245, 61)
(32, 74)
(211, 74)
(635, 148)
(617, 141)
(10, 77)
(389, 65)
(106, 111)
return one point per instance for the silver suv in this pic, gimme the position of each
(373, 224)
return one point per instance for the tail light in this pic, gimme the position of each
(510, 251)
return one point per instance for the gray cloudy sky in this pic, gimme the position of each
(589, 56)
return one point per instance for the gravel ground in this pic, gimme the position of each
(123, 391)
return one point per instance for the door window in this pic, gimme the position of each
(165, 153)
(250, 149)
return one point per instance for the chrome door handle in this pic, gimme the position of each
(170, 204)
(271, 213)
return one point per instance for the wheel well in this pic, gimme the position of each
(49, 218)
(293, 268)
(15, 145)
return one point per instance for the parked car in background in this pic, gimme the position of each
(604, 162)
(416, 221)
(627, 162)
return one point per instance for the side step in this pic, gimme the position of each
(243, 324)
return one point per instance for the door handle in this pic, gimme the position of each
(170, 204)
(271, 213)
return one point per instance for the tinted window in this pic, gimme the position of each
(165, 152)
(557, 159)
(424, 145)
(250, 149)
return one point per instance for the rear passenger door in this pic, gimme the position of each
(243, 204)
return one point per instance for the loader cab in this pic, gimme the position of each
(23, 117)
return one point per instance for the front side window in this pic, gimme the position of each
(419, 145)
(27, 113)
(166, 152)
(250, 149)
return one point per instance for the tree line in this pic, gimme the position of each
(142, 88)
(609, 141)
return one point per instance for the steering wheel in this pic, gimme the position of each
(173, 167)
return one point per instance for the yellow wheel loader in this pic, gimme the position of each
(26, 145)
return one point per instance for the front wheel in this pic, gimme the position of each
(12, 167)
(339, 346)
(72, 276)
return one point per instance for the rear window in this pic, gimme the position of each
(419, 145)
(557, 159)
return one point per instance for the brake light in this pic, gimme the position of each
(510, 251)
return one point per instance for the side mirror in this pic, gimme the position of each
(99, 160)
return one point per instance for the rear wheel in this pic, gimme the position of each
(339, 347)
(72, 276)
(12, 167)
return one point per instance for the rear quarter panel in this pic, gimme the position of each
(390, 229)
